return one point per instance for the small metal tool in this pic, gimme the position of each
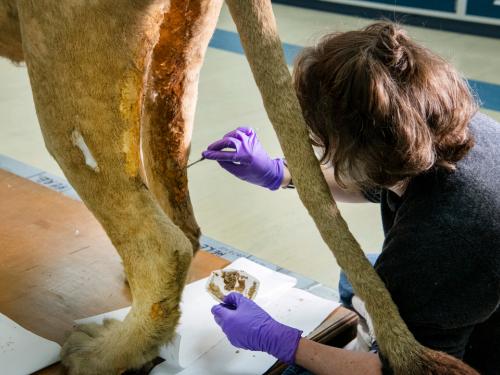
(195, 162)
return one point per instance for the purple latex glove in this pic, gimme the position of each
(247, 326)
(249, 161)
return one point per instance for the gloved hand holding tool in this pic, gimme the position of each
(248, 326)
(247, 160)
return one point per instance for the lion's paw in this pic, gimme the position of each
(100, 349)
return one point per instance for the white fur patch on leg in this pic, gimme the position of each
(79, 142)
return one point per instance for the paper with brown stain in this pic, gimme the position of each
(223, 282)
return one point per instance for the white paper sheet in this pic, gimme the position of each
(197, 328)
(293, 307)
(21, 351)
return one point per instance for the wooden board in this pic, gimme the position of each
(57, 264)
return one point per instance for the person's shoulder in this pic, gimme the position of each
(486, 133)
(444, 244)
(481, 123)
(466, 199)
(473, 188)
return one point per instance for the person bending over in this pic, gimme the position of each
(397, 125)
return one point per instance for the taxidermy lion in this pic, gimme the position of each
(115, 86)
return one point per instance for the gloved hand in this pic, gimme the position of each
(253, 163)
(247, 326)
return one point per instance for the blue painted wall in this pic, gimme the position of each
(442, 5)
(484, 8)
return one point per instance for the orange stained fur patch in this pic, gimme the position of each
(157, 311)
(167, 85)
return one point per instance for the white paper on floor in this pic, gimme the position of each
(200, 346)
(21, 351)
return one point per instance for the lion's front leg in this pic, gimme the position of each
(156, 275)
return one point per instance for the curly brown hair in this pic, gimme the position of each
(383, 107)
